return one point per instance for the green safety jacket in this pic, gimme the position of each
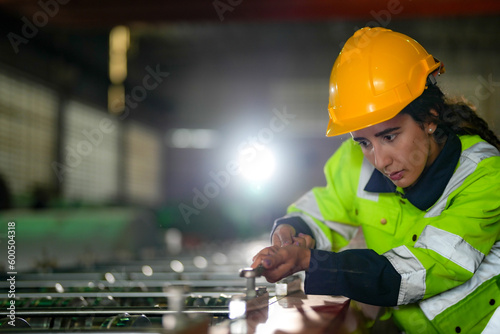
(433, 252)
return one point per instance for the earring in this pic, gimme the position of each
(430, 130)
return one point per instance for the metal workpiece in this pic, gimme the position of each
(260, 290)
(288, 285)
(176, 302)
(251, 274)
(176, 295)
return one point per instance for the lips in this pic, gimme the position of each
(396, 176)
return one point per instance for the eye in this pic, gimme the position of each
(390, 137)
(363, 143)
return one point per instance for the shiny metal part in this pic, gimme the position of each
(288, 285)
(176, 296)
(250, 274)
(39, 312)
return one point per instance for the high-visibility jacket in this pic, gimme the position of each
(433, 251)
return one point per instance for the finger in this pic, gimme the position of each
(262, 260)
(276, 241)
(281, 239)
(279, 257)
(273, 276)
(273, 249)
(298, 241)
(276, 273)
(284, 238)
(309, 241)
(257, 259)
(271, 262)
(282, 263)
(304, 241)
(265, 251)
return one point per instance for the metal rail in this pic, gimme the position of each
(89, 312)
(130, 284)
(54, 295)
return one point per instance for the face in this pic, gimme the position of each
(399, 148)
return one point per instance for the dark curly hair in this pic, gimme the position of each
(452, 115)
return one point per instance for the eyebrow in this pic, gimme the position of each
(379, 134)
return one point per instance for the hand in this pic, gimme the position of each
(281, 262)
(283, 235)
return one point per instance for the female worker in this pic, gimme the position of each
(421, 176)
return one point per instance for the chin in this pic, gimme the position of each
(403, 183)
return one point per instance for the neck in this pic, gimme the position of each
(434, 149)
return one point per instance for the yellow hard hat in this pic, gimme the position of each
(377, 74)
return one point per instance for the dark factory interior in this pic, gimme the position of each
(124, 129)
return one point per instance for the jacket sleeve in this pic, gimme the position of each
(360, 274)
(327, 211)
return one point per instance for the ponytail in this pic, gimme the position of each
(456, 116)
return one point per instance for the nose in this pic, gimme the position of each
(381, 158)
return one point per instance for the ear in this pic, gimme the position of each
(431, 124)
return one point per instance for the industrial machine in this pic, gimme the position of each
(179, 294)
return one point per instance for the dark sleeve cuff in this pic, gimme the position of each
(359, 274)
(298, 224)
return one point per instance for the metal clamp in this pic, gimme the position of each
(250, 274)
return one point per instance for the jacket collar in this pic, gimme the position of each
(432, 182)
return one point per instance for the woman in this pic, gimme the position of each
(421, 176)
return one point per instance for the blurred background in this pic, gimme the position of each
(125, 125)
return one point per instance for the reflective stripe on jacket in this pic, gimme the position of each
(448, 256)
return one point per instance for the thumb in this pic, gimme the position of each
(267, 263)
(286, 239)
